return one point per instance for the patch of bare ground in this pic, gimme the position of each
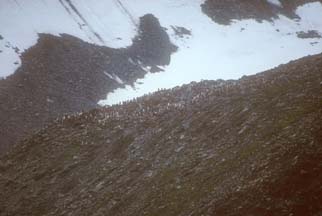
(225, 12)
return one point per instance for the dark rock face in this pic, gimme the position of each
(224, 12)
(62, 75)
(246, 147)
(308, 34)
(144, 46)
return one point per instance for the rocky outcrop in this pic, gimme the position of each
(224, 12)
(246, 147)
(308, 34)
(63, 75)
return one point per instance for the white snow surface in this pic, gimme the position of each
(114, 77)
(212, 51)
(275, 2)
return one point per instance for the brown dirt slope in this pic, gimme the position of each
(246, 147)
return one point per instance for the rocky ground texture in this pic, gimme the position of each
(225, 12)
(64, 75)
(246, 147)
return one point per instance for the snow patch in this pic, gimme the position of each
(275, 2)
(114, 77)
(311, 16)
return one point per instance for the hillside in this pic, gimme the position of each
(63, 75)
(59, 57)
(245, 147)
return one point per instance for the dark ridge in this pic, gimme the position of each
(225, 12)
(62, 75)
(224, 148)
(66, 8)
(150, 55)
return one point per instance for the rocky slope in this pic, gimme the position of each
(246, 147)
(61, 75)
